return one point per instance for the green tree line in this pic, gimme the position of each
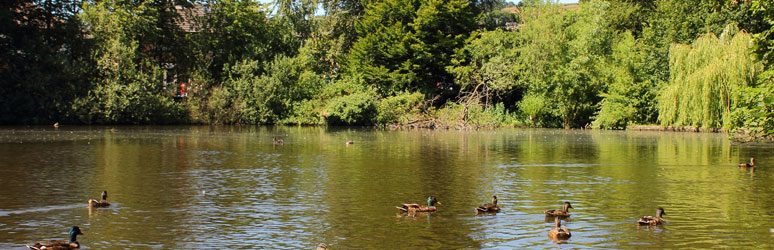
(600, 63)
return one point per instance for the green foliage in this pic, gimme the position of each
(250, 98)
(472, 115)
(128, 86)
(235, 31)
(560, 57)
(704, 78)
(486, 67)
(349, 101)
(353, 109)
(630, 97)
(757, 112)
(533, 106)
(43, 61)
(405, 45)
(401, 108)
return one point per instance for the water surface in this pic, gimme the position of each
(219, 187)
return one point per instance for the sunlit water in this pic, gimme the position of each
(230, 187)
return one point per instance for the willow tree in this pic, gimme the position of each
(705, 80)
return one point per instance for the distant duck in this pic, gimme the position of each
(747, 165)
(559, 232)
(652, 221)
(561, 213)
(350, 142)
(322, 246)
(278, 141)
(413, 208)
(489, 207)
(100, 203)
(60, 244)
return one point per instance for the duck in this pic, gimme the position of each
(322, 246)
(652, 221)
(278, 141)
(350, 142)
(100, 203)
(412, 208)
(60, 244)
(489, 207)
(559, 232)
(747, 165)
(561, 213)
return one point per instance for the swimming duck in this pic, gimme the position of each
(489, 207)
(650, 220)
(559, 232)
(412, 208)
(278, 141)
(322, 246)
(60, 244)
(747, 165)
(561, 213)
(100, 203)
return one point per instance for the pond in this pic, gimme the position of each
(232, 187)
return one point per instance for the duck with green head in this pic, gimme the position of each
(652, 221)
(60, 244)
(412, 208)
(565, 212)
(100, 203)
(489, 207)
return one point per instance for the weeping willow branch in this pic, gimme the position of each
(703, 77)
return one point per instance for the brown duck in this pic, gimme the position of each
(100, 203)
(489, 207)
(413, 208)
(747, 165)
(561, 213)
(559, 232)
(60, 244)
(652, 221)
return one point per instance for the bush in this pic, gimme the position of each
(354, 109)
(401, 108)
(533, 106)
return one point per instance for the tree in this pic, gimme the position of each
(706, 78)
(560, 58)
(405, 45)
(128, 86)
(43, 61)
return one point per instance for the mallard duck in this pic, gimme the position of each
(747, 165)
(278, 141)
(489, 207)
(561, 213)
(60, 244)
(650, 220)
(100, 203)
(559, 232)
(322, 246)
(412, 208)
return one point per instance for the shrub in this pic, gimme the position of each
(400, 108)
